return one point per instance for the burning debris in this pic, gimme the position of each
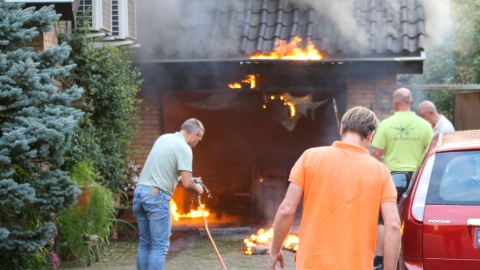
(287, 109)
(283, 50)
(194, 213)
(291, 243)
(248, 82)
(259, 244)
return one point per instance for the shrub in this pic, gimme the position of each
(95, 216)
(110, 105)
(36, 121)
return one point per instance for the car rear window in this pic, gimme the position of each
(455, 179)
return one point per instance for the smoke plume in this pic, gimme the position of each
(183, 29)
(439, 20)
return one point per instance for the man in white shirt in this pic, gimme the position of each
(440, 123)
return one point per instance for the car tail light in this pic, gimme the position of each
(418, 206)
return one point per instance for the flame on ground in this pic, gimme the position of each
(291, 50)
(260, 243)
(291, 243)
(194, 213)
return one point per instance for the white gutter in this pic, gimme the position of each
(96, 35)
(114, 43)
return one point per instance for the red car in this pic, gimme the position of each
(440, 211)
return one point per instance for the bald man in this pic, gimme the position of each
(440, 123)
(399, 142)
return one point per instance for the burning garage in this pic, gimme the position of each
(268, 79)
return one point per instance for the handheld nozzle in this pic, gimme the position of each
(200, 182)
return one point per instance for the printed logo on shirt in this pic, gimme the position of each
(403, 133)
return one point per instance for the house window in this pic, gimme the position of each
(84, 6)
(99, 14)
(115, 19)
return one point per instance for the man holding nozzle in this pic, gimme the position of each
(169, 162)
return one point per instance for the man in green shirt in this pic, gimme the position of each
(400, 140)
(169, 162)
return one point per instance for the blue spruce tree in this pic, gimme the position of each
(36, 120)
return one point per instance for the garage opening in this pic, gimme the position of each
(250, 145)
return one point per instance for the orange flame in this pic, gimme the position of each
(286, 102)
(194, 213)
(264, 238)
(250, 79)
(284, 50)
(291, 243)
(292, 108)
(235, 85)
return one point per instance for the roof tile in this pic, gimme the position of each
(388, 27)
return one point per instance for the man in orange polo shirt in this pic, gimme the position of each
(343, 187)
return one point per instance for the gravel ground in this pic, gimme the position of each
(189, 250)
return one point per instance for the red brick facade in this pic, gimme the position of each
(373, 93)
(150, 127)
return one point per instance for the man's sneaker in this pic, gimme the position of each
(378, 263)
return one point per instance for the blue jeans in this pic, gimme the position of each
(154, 225)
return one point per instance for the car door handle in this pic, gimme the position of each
(473, 222)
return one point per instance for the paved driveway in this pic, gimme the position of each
(189, 249)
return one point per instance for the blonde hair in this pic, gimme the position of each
(359, 120)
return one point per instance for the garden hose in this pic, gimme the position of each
(198, 181)
(210, 236)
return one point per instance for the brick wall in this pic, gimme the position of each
(150, 127)
(50, 39)
(374, 93)
(37, 43)
(45, 40)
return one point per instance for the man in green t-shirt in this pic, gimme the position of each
(400, 140)
(169, 162)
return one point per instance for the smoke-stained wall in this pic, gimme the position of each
(242, 144)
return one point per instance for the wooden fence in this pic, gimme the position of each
(467, 111)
